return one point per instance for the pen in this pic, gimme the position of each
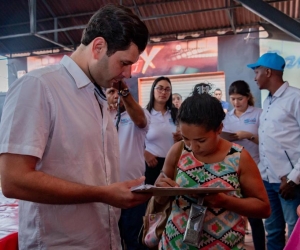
(164, 175)
(289, 158)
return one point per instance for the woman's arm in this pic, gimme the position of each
(255, 202)
(150, 159)
(169, 170)
(247, 135)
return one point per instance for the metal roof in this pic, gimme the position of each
(59, 23)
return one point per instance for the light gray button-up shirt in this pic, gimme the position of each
(279, 132)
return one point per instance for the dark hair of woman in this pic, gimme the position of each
(201, 88)
(202, 110)
(242, 88)
(169, 104)
(118, 26)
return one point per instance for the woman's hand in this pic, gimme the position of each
(215, 200)
(243, 135)
(150, 159)
(163, 181)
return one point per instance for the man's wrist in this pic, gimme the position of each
(124, 92)
(291, 182)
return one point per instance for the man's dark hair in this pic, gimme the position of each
(202, 110)
(242, 88)
(118, 26)
(169, 104)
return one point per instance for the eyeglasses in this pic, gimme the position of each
(161, 89)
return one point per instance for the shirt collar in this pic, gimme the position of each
(280, 91)
(75, 71)
(154, 112)
(248, 110)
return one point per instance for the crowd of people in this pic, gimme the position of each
(74, 141)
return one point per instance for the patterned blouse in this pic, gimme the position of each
(222, 229)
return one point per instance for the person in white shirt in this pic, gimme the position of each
(279, 147)
(59, 148)
(243, 122)
(133, 126)
(162, 131)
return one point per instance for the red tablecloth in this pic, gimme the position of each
(8, 223)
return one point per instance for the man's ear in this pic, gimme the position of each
(268, 72)
(99, 47)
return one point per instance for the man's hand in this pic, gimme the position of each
(119, 85)
(287, 190)
(112, 106)
(150, 159)
(119, 194)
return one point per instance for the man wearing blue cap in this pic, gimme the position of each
(279, 147)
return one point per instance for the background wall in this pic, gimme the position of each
(235, 52)
(290, 51)
(230, 54)
(15, 65)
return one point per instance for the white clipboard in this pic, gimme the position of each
(173, 191)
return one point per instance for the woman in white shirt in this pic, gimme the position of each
(243, 121)
(162, 130)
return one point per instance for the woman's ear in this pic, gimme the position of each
(220, 128)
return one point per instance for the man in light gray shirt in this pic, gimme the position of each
(279, 147)
(59, 148)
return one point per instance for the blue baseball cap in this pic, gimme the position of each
(269, 60)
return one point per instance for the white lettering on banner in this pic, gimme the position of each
(149, 57)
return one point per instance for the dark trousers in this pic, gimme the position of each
(152, 173)
(130, 224)
(258, 233)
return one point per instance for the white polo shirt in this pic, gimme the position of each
(52, 114)
(159, 138)
(279, 131)
(248, 121)
(132, 146)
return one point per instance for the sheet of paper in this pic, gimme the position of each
(173, 191)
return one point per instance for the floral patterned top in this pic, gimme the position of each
(222, 229)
